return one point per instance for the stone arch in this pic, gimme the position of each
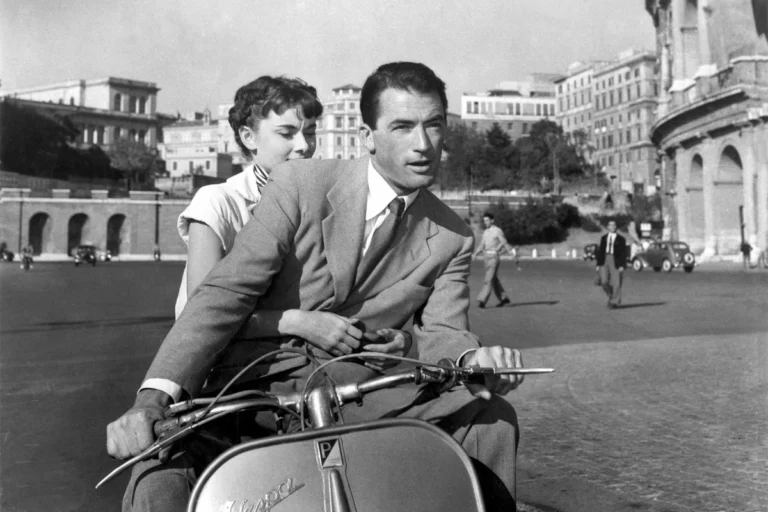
(78, 231)
(695, 189)
(118, 234)
(40, 230)
(728, 197)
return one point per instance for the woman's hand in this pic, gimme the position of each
(332, 333)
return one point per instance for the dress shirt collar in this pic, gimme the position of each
(380, 194)
(246, 185)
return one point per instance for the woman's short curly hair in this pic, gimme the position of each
(255, 100)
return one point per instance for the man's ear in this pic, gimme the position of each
(366, 135)
(248, 136)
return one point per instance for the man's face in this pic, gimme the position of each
(487, 221)
(407, 142)
(612, 227)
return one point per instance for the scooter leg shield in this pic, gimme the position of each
(386, 465)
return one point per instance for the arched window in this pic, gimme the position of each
(117, 102)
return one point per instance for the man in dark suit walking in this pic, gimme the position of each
(611, 260)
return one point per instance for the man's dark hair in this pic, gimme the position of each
(489, 215)
(255, 100)
(404, 76)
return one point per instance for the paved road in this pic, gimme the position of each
(659, 406)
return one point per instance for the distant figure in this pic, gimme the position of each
(492, 243)
(156, 253)
(746, 251)
(611, 260)
(26, 256)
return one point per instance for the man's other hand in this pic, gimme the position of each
(389, 341)
(496, 357)
(132, 433)
(333, 333)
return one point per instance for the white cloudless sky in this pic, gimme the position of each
(199, 52)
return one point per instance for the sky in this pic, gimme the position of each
(198, 53)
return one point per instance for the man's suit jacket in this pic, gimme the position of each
(301, 250)
(619, 251)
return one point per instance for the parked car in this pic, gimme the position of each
(590, 252)
(85, 254)
(665, 255)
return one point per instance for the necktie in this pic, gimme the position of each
(382, 238)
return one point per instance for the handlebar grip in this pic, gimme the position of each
(162, 426)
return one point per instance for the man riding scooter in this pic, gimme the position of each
(376, 246)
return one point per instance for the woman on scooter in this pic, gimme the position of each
(274, 119)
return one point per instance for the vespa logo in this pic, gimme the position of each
(329, 453)
(265, 504)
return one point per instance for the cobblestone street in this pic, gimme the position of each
(659, 406)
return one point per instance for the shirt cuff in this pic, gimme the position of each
(458, 359)
(166, 386)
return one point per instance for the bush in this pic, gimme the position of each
(589, 225)
(568, 216)
(530, 224)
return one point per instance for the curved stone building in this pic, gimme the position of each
(710, 126)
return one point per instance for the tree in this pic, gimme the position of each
(134, 160)
(32, 141)
(464, 156)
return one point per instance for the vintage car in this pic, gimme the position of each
(665, 255)
(590, 252)
(85, 254)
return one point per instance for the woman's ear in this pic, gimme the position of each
(249, 138)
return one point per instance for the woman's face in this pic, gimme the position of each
(280, 137)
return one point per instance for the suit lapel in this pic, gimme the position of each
(410, 249)
(343, 228)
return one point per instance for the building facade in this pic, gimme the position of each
(711, 125)
(103, 109)
(194, 146)
(624, 94)
(337, 129)
(573, 93)
(513, 106)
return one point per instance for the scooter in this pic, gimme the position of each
(389, 464)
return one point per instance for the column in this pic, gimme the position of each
(675, 205)
(678, 57)
(761, 149)
(711, 160)
(748, 178)
(705, 55)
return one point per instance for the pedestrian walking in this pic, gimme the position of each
(746, 252)
(611, 261)
(492, 243)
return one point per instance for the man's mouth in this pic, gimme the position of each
(420, 163)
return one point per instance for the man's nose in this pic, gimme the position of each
(421, 141)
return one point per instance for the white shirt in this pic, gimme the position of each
(229, 206)
(380, 194)
(225, 208)
(610, 241)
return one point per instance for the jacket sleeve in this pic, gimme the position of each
(601, 248)
(441, 325)
(229, 294)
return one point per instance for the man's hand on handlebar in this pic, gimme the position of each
(496, 357)
(132, 432)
